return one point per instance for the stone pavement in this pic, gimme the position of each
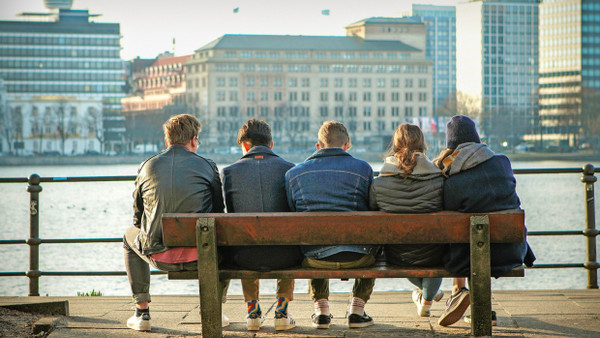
(536, 313)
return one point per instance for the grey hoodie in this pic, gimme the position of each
(419, 192)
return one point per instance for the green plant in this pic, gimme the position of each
(93, 293)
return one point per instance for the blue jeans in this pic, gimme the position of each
(430, 286)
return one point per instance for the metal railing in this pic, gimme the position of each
(34, 188)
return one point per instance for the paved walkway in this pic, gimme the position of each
(552, 313)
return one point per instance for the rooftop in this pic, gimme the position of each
(304, 42)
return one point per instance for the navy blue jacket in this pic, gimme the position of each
(330, 180)
(489, 186)
(256, 182)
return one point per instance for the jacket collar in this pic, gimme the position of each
(259, 150)
(325, 152)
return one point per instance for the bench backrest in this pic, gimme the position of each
(331, 228)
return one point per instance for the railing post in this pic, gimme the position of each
(33, 241)
(590, 231)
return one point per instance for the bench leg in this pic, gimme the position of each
(481, 293)
(208, 278)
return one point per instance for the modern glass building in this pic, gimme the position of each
(64, 81)
(440, 22)
(497, 61)
(569, 73)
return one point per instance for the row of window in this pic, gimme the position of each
(62, 64)
(62, 88)
(305, 68)
(54, 76)
(324, 111)
(323, 96)
(60, 41)
(318, 55)
(74, 53)
(264, 81)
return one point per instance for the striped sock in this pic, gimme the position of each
(254, 306)
(358, 306)
(282, 305)
(322, 307)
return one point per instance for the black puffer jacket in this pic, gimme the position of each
(419, 192)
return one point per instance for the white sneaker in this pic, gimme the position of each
(224, 320)
(284, 321)
(423, 310)
(254, 321)
(139, 323)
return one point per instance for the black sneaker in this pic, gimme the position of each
(321, 321)
(355, 320)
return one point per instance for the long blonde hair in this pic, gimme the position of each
(407, 142)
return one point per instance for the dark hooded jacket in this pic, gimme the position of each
(481, 181)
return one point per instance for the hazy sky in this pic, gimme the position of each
(149, 26)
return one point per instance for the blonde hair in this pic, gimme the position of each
(408, 141)
(180, 129)
(333, 134)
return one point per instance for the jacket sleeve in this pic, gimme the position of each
(228, 205)
(373, 198)
(138, 205)
(289, 193)
(216, 190)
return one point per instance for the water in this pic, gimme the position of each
(104, 209)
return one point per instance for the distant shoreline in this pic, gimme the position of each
(586, 157)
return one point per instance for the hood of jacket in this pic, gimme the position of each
(424, 169)
(466, 156)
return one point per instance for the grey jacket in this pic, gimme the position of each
(176, 180)
(419, 192)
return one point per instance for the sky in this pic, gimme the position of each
(148, 27)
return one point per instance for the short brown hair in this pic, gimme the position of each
(333, 134)
(180, 129)
(256, 132)
(407, 142)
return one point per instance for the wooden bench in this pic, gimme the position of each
(209, 231)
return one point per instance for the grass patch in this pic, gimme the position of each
(93, 293)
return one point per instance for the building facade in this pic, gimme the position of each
(373, 79)
(64, 81)
(157, 91)
(440, 22)
(497, 62)
(569, 73)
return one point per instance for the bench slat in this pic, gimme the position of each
(307, 273)
(315, 228)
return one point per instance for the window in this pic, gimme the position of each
(395, 111)
(264, 96)
(233, 96)
(250, 96)
(305, 96)
(277, 82)
(408, 83)
(381, 111)
(352, 111)
(305, 82)
(250, 111)
(293, 96)
(352, 83)
(324, 83)
(395, 83)
(338, 82)
(422, 111)
(366, 111)
(264, 81)
(339, 111)
(381, 96)
(250, 81)
(220, 96)
(339, 96)
(367, 97)
(293, 82)
(408, 97)
(407, 111)
(323, 111)
(277, 96)
(422, 83)
(380, 83)
(352, 96)
(324, 97)
(367, 125)
(233, 82)
(366, 83)
(422, 97)
(220, 82)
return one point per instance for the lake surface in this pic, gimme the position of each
(104, 209)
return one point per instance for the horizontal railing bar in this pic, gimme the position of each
(555, 233)
(558, 265)
(132, 177)
(12, 274)
(81, 240)
(13, 241)
(75, 273)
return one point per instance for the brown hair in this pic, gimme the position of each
(256, 132)
(407, 142)
(333, 134)
(180, 129)
(439, 160)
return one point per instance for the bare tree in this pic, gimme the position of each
(6, 126)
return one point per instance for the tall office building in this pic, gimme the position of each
(372, 79)
(497, 61)
(440, 22)
(64, 81)
(569, 72)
